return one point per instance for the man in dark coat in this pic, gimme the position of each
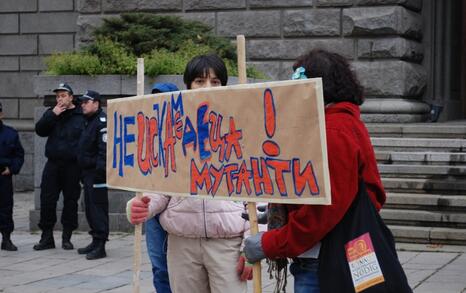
(92, 159)
(62, 125)
(11, 160)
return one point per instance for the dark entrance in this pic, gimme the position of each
(463, 58)
(445, 56)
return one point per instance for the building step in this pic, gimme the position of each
(423, 169)
(424, 185)
(421, 158)
(426, 201)
(450, 219)
(434, 235)
(423, 130)
(388, 170)
(419, 144)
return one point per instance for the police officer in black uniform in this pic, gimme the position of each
(11, 160)
(62, 124)
(92, 160)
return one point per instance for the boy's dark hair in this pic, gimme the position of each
(199, 67)
(339, 81)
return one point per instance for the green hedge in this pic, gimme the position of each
(167, 43)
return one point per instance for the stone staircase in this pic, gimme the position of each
(423, 168)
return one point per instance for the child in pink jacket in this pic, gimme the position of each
(204, 236)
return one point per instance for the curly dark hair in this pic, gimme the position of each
(339, 81)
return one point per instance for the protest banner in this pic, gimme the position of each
(260, 142)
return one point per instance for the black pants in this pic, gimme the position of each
(96, 202)
(59, 176)
(6, 204)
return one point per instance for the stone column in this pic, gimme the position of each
(389, 52)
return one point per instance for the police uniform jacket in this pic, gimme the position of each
(92, 146)
(11, 150)
(63, 132)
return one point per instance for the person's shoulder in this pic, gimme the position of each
(9, 130)
(102, 117)
(77, 110)
(341, 116)
(48, 111)
(101, 120)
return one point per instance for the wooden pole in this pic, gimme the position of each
(138, 227)
(242, 78)
(241, 51)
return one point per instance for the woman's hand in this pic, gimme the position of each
(139, 210)
(244, 268)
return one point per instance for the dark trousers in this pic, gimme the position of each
(96, 202)
(59, 177)
(6, 204)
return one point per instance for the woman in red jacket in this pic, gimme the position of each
(350, 158)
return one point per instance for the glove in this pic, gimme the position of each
(244, 268)
(261, 215)
(137, 210)
(253, 248)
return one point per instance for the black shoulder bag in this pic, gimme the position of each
(359, 254)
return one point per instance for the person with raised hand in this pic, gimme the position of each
(62, 124)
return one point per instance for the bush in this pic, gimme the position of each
(162, 61)
(167, 43)
(113, 56)
(102, 57)
(73, 63)
(141, 33)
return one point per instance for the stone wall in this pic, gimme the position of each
(382, 38)
(29, 31)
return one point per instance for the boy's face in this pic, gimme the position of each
(209, 80)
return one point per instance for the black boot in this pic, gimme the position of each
(65, 240)
(46, 241)
(6, 242)
(98, 252)
(88, 248)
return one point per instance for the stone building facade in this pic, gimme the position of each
(406, 52)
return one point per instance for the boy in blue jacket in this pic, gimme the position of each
(156, 236)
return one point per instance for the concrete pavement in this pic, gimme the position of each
(429, 268)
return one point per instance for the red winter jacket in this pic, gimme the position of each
(350, 157)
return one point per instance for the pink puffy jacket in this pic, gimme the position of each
(196, 218)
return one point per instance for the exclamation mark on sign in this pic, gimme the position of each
(270, 147)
